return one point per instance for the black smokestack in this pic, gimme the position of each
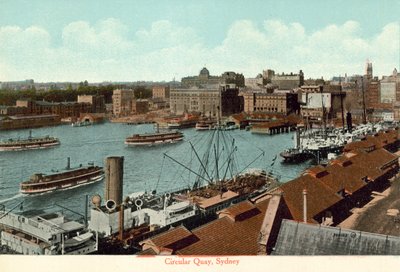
(349, 122)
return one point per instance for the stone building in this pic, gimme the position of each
(314, 98)
(140, 106)
(161, 92)
(231, 102)
(63, 109)
(206, 100)
(288, 81)
(254, 82)
(122, 101)
(283, 103)
(29, 121)
(97, 102)
(204, 78)
(203, 100)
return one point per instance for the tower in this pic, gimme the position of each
(368, 70)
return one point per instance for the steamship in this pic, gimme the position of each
(130, 219)
(69, 178)
(41, 232)
(19, 144)
(206, 125)
(154, 138)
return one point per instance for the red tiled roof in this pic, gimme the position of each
(372, 163)
(173, 239)
(381, 139)
(240, 212)
(344, 178)
(351, 173)
(229, 237)
(319, 196)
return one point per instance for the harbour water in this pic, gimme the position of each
(145, 168)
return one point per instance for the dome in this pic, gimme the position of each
(204, 72)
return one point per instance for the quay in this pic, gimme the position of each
(272, 128)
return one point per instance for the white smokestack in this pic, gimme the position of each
(305, 205)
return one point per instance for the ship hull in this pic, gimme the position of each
(29, 146)
(62, 183)
(295, 157)
(154, 139)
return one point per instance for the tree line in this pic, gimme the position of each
(9, 97)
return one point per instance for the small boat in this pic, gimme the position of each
(78, 240)
(206, 125)
(156, 138)
(295, 155)
(179, 124)
(70, 178)
(82, 123)
(29, 143)
(188, 121)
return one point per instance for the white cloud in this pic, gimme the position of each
(107, 51)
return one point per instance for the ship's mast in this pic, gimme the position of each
(323, 112)
(363, 99)
(341, 101)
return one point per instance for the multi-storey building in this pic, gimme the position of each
(231, 102)
(207, 101)
(283, 103)
(122, 101)
(372, 95)
(254, 82)
(203, 100)
(140, 106)
(97, 102)
(161, 92)
(314, 100)
(204, 78)
(288, 81)
(62, 109)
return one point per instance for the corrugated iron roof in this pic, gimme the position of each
(297, 238)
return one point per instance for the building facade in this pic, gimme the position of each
(140, 106)
(288, 81)
(203, 100)
(62, 109)
(314, 99)
(204, 78)
(161, 92)
(283, 103)
(122, 101)
(231, 102)
(97, 102)
(29, 121)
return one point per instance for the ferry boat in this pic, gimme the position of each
(154, 138)
(179, 124)
(149, 139)
(206, 125)
(29, 143)
(39, 232)
(187, 121)
(41, 183)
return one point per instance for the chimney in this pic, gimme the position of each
(114, 173)
(305, 205)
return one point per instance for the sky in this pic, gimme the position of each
(132, 40)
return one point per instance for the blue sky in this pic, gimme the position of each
(158, 40)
